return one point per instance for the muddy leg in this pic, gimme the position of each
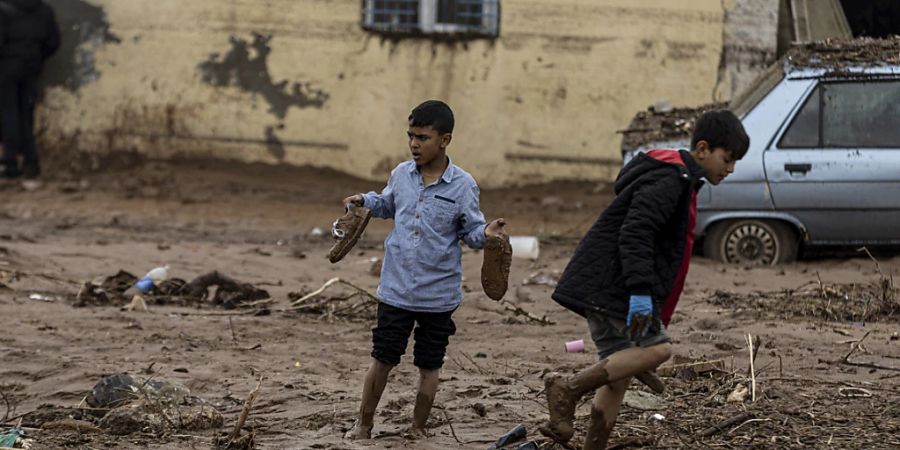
(373, 387)
(604, 411)
(563, 393)
(428, 385)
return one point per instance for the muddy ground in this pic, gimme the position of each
(255, 223)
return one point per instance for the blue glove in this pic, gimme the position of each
(639, 305)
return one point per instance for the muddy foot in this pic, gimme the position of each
(414, 434)
(561, 405)
(495, 267)
(358, 432)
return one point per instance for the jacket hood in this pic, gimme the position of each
(667, 159)
(24, 5)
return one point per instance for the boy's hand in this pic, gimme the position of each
(495, 228)
(356, 200)
(640, 312)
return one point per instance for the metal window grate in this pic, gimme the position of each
(391, 15)
(460, 17)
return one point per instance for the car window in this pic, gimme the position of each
(804, 130)
(861, 114)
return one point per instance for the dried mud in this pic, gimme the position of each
(821, 381)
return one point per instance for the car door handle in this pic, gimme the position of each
(798, 167)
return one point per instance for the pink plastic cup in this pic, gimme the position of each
(575, 346)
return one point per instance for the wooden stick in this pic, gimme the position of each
(854, 347)
(726, 423)
(752, 371)
(521, 312)
(328, 284)
(245, 411)
(315, 293)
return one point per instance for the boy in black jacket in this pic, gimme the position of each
(628, 271)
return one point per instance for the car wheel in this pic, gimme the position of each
(751, 242)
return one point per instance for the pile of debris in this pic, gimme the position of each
(352, 303)
(838, 53)
(663, 123)
(119, 290)
(874, 302)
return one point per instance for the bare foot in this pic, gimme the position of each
(358, 432)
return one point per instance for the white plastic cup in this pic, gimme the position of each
(526, 247)
(575, 346)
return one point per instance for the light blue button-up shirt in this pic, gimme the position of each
(422, 269)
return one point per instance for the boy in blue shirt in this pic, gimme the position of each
(434, 204)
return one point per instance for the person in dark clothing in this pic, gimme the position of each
(30, 35)
(627, 272)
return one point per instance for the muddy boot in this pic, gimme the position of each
(563, 395)
(358, 432)
(598, 431)
(347, 230)
(495, 267)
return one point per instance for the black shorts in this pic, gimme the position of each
(390, 336)
(610, 335)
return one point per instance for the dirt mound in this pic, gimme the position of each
(663, 124)
(839, 53)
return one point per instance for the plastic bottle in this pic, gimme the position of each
(153, 277)
(158, 274)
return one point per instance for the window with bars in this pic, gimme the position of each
(466, 18)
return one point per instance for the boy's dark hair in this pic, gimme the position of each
(433, 113)
(721, 129)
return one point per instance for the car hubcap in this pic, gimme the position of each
(751, 243)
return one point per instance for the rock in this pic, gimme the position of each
(201, 417)
(739, 394)
(136, 417)
(118, 389)
(643, 401)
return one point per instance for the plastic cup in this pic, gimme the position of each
(525, 247)
(575, 346)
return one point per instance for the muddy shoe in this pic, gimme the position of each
(358, 432)
(495, 268)
(347, 230)
(561, 405)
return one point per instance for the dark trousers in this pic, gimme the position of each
(17, 98)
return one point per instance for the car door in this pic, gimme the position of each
(836, 166)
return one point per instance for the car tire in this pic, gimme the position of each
(751, 242)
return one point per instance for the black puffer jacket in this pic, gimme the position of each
(30, 35)
(637, 245)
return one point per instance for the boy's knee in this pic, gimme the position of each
(662, 352)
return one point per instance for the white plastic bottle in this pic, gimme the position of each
(158, 274)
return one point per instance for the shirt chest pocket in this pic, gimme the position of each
(441, 213)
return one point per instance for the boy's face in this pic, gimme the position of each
(427, 145)
(717, 162)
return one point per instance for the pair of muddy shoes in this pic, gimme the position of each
(495, 267)
(346, 231)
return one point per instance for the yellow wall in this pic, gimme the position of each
(561, 79)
